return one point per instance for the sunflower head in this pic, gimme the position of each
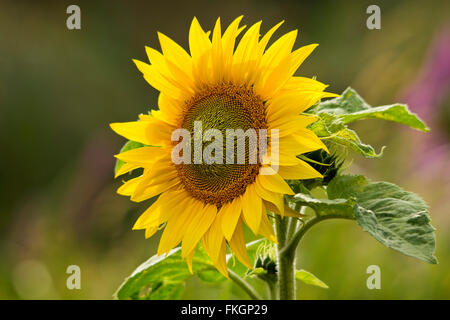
(246, 88)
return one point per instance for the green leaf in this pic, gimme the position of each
(331, 129)
(257, 271)
(129, 145)
(308, 278)
(160, 277)
(346, 186)
(322, 207)
(395, 112)
(349, 138)
(211, 276)
(163, 277)
(335, 114)
(348, 102)
(397, 218)
(350, 107)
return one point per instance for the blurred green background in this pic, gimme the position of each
(60, 89)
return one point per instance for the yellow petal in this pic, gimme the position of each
(266, 228)
(296, 144)
(126, 167)
(164, 177)
(221, 263)
(200, 47)
(272, 208)
(189, 259)
(175, 53)
(251, 208)
(215, 246)
(150, 217)
(169, 106)
(167, 205)
(274, 182)
(238, 247)
(180, 77)
(199, 42)
(246, 57)
(265, 39)
(300, 171)
(284, 71)
(230, 212)
(279, 50)
(249, 41)
(160, 81)
(129, 186)
(281, 157)
(291, 212)
(293, 102)
(150, 232)
(161, 166)
(309, 139)
(305, 84)
(217, 53)
(143, 155)
(289, 125)
(199, 224)
(157, 60)
(228, 42)
(146, 191)
(213, 238)
(173, 202)
(176, 227)
(276, 198)
(134, 131)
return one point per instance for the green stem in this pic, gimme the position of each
(293, 222)
(273, 294)
(244, 285)
(292, 227)
(281, 230)
(288, 239)
(286, 262)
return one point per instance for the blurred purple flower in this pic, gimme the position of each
(425, 96)
(433, 81)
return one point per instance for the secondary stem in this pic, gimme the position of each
(244, 285)
(290, 247)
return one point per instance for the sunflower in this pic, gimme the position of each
(249, 86)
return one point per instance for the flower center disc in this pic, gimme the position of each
(221, 107)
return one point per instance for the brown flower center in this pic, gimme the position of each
(222, 107)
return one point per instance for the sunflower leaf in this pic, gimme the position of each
(336, 207)
(349, 138)
(308, 278)
(346, 186)
(129, 145)
(398, 219)
(348, 102)
(335, 114)
(331, 129)
(350, 107)
(163, 277)
(160, 276)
